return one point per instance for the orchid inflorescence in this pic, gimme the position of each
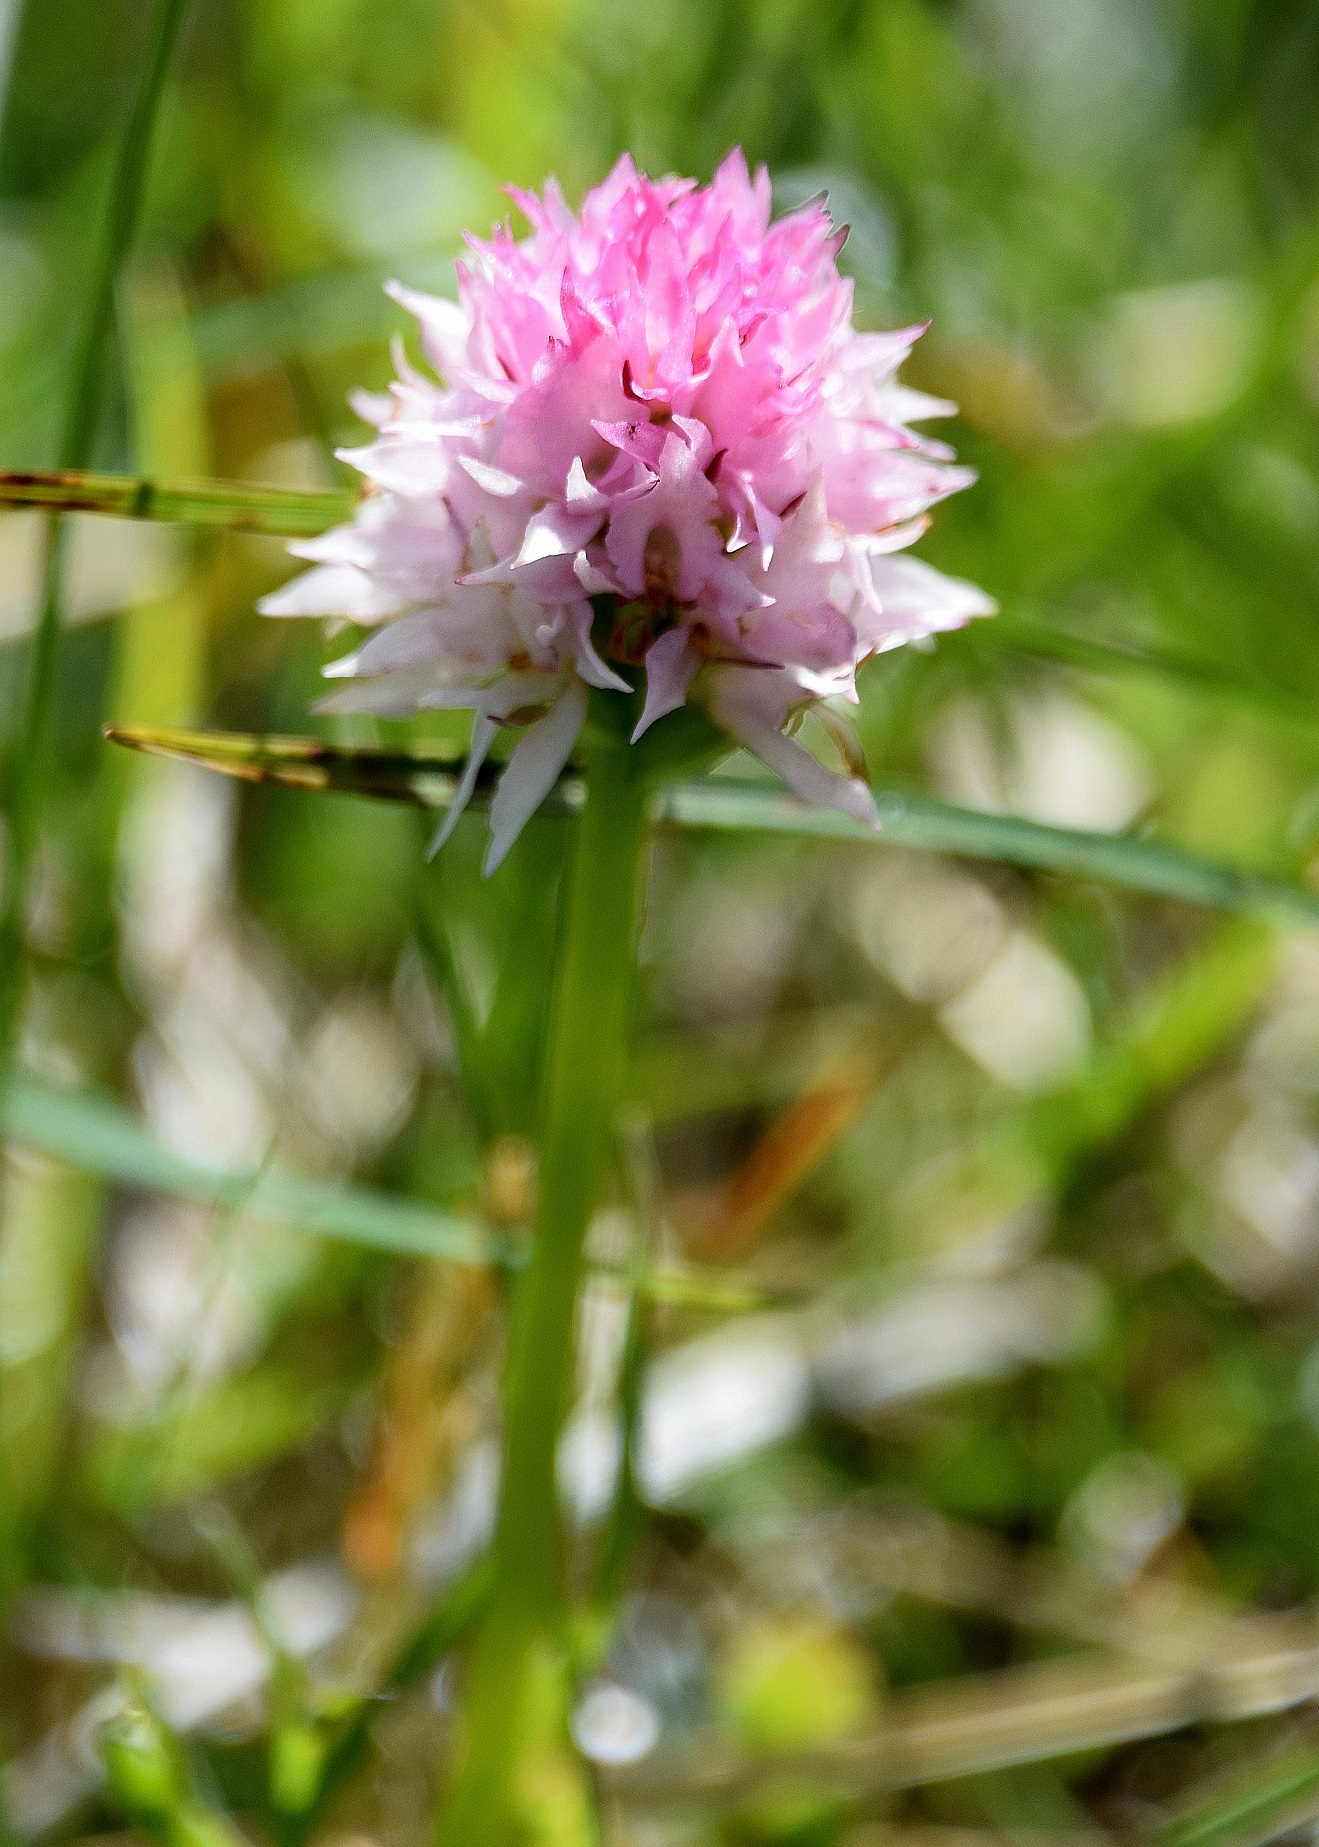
(660, 444)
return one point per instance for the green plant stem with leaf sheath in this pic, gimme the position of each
(583, 1080)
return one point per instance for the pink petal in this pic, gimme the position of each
(662, 396)
(804, 775)
(671, 665)
(589, 664)
(444, 327)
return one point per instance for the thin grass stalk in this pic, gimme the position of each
(27, 768)
(237, 506)
(731, 805)
(1269, 1800)
(583, 1082)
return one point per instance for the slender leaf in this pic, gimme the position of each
(444, 1626)
(724, 803)
(149, 1782)
(1269, 1799)
(498, 1004)
(102, 1137)
(915, 820)
(98, 1136)
(426, 779)
(241, 506)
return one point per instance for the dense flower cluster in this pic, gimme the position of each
(661, 443)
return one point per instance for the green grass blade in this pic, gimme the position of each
(239, 506)
(99, 1136)
(149, 1783)
(302, 763)
(722, 803)
(914, 820)
(26, 777)
(1271, 1800)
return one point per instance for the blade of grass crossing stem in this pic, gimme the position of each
(26, 778)
(101, 1137)
(98, 1136)
(238, 506)
(923, 821)
(725, 804)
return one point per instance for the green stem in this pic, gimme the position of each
(584, 1077)
(27, 773)
(239, 506)
(627, 1514)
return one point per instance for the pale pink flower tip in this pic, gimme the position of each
(659, 442)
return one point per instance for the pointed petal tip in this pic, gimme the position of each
(533, 769)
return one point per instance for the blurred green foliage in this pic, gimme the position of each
(1069, 1217)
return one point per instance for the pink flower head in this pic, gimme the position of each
(659, 443)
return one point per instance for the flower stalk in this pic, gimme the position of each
(583, 1083)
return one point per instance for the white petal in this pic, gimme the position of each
(415, 640)
(407, 466)
(331, 590)
(804, 775)
(483, 735)
(583, 496)
(671, 666)
(916, 600)
(437, 689)
(904, 405)
(891, 539)
(395, 695)
(533, 769)
(375, 407)
(580, 494)
(496, 698)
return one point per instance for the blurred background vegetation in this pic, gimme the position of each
(999, 1515)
